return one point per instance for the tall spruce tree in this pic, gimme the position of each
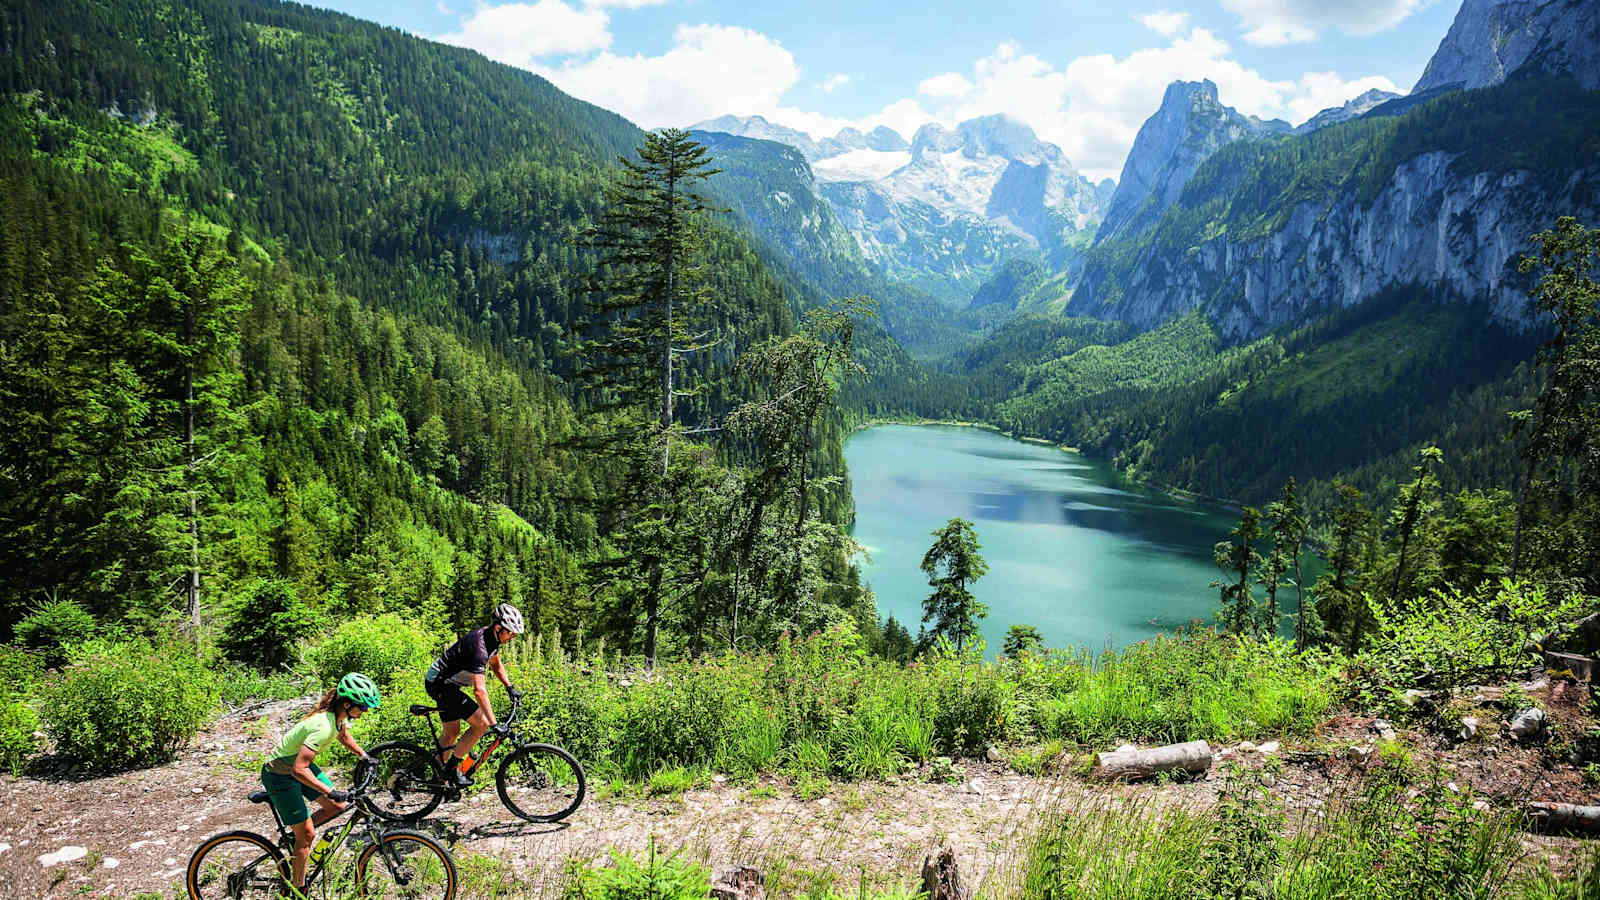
(952, 564)
(649, 307)
(1239, 555)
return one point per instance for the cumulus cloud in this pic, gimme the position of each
(519, 33)
(1165, 23)
(709, 70)
(1276, 22)
(1093, 107)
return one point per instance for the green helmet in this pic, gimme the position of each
(359, 689)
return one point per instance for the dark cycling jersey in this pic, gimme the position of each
(466, 657)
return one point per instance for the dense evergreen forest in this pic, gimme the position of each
(294, 300)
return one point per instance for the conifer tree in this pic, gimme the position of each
(952, 564)
(1239, 555)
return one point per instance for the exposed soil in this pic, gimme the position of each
(136, 830)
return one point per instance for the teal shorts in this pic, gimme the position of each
(289, 796)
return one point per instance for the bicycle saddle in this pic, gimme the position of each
(418, 709)
(258, 796)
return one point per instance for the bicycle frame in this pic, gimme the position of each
(488, 751)
(338, 838)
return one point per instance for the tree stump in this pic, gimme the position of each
(940, 880)
(743, 883)
(1193, 757)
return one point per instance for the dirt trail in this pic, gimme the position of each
(136, 830)
(132, 833)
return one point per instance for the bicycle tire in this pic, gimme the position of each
(427, 857)
(407, 775)
(547, 782)
(237, 879)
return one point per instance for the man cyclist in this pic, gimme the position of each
(460, 666)
(291, 776)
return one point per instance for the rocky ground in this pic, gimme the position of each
(131, 834)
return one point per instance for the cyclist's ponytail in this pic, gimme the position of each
(326, 703)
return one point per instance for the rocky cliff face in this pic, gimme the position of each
(1190, 126)
(1492, 39)
(1431, 225)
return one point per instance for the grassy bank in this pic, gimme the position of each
(822, 706)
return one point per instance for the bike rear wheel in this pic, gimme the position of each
(540, 783)
(407, 785)
(406, 864)
(236, 865)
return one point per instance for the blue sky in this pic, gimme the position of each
(1085, 75)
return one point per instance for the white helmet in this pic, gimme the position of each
(507, 617)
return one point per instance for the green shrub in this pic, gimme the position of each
(17, 725)
(238, 685)
(53, 628)
(656, 877)
(129, 704)
(265, 625)
(1450, 638)
(378, 647)
(970, 705)
(682, 718)
(20, 671)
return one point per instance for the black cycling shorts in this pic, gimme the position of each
(454, 703)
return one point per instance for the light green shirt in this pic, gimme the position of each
(314, 731)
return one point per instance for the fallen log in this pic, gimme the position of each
(1564, 817)
(1194, 756)
(1581, 667)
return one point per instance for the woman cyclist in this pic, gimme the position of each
(291, 776)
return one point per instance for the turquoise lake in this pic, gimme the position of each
(1088, 557)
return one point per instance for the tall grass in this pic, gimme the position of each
(820, 705)
(1376, 839)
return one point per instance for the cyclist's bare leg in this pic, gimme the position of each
(326, 809)
(477, 724)
(304, 834)
(447, 739)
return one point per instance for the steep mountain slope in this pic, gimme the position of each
(1490, 40)
(404, 216)
(1190, 125)
(1445, 195)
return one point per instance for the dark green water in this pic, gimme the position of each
(1074, 549)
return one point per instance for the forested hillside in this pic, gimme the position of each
(294, 299)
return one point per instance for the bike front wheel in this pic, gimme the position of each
(405, 864)
(540, 783)
(407, 785)
(236, 865)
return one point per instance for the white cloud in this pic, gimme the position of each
(710, 70)
(950, 84)
(1093, 107)
(1275, 22)
(444, 8)
(1165, 23)
(833, 83)
(518, 33)
(622, 4)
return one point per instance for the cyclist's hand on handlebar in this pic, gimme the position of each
(339, 796)
(500, 729)
(369, 759)
(513, 693)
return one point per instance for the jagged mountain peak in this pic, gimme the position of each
(1356, 107)
(1191, 124)
(1491, 39)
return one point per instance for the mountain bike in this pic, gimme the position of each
(391, 862)
(538, 782)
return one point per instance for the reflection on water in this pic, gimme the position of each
(1087, 557)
